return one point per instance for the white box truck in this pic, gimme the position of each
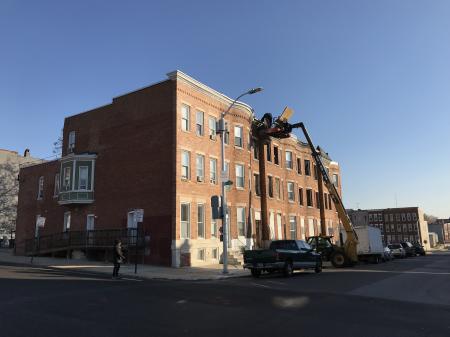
(370, 245)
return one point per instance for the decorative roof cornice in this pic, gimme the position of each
(180, 76)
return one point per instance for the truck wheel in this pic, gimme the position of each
(288, 269)
(255, 272)
(338, 260)
(318, 268)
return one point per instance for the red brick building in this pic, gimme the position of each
(156, 149)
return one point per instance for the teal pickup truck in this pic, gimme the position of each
(282, 255)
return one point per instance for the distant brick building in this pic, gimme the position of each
(396, 224)
(442, 229)
(156, 149)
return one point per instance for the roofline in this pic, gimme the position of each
(179, 75)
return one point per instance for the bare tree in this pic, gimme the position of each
(57, 146)
(9, 189)
(430, 218)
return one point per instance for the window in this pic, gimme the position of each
(275, 156)
(257, 185)
(40, 188)
(199, 128)
(212, 124)
(279, 227)
(269, 153)
(399, 228)
(391, 217)
(213, 227)
(213, 171)
(238, 139)
(66, 221)
(201, 254)
(293, 227)
(388, 229)
(270, 187)
(307, 167)
(239, 176)
(290, 191)
(185, 117)
(386, 217)
(67, 178)
(83, 174)
(309, 200)
(410, 227)
(316, 173)
(71, 143)
(200, 168)
(300, 196)
(392, 228)
(56, 190)
(185, 165)
(241, 221)
(214, 253)
(288, 155)
(370, 217)
(201, 221)
(336, 180)
(403, 217)
(325, 198)
(414, 217)
(397, 217)
(329, 201)
(299, 166)
(277, 187)
(90, 222)
(185, 218)
(272, 225)
(408, 216)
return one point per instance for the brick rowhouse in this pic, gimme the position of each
(156, 149)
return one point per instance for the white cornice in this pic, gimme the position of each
(179, 75)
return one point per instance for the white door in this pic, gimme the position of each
(272, 225)
(311, 227)
(302, 228)
(90, 222)
(279, 229)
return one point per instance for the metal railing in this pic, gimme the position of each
(94, 239)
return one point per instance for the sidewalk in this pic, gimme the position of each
(209, 272)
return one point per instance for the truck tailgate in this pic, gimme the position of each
(260, 256)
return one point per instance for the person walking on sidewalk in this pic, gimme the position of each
(118, 257)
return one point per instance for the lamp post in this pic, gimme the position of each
(223, 176)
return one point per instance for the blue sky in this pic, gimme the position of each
(371, 79)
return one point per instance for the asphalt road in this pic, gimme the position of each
(402, 298)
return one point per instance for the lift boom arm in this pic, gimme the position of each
(352, 239)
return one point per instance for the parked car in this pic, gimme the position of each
(419, 249)
(387, 254)
(397, 250)
(409, 248)
(282, 255)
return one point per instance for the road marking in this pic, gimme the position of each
(386, 271)
(260, 285)
(181, 301)
(130, 279)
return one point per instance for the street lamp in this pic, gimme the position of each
(222, 130)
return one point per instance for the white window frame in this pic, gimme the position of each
(79, 178)
(187, 222)
(293, 220)
(185, 119)
(67, 178)
(212, 124)
(201, 221)
(200, 167)
(238, 136)
(290, 191)
(90, 216)
(200, 123)
(67, 219)
(213, 171)
(289, 163)
(71, 142)
(187, 167)
(240, 180)
(240, 223)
